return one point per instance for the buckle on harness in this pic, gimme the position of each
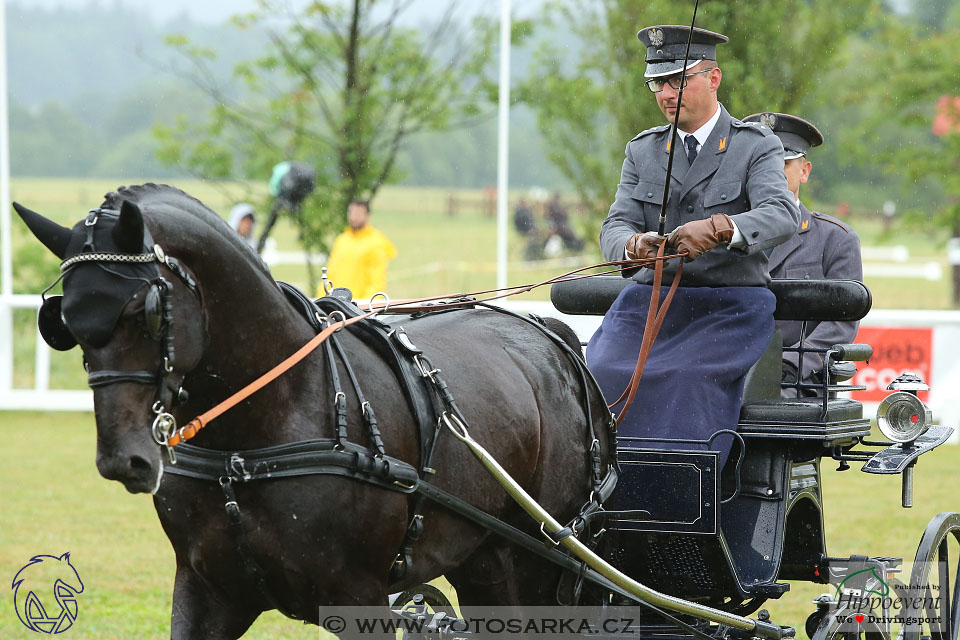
(425, 367)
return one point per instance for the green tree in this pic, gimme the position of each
(589, 107)
(341, 87)
(911, 84)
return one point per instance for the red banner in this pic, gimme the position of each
(895, 350)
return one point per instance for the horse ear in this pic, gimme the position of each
(51, 234)
(128, 232)
(65, 557)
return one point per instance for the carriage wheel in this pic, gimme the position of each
(842, 624)
(936, 572)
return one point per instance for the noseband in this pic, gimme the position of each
(158, 318)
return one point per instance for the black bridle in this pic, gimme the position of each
(158, 320)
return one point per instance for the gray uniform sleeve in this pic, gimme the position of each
(625, 217)
(773, 217)
(841, 261)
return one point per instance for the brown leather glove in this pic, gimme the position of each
(644, 245)
(699, 236)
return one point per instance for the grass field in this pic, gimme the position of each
(52, 500)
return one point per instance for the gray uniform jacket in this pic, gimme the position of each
(738, 171)
(823, 249)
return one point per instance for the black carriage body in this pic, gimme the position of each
(730, 539)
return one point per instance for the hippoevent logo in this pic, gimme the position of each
(45, 594)
(868, 597)
(872, 582)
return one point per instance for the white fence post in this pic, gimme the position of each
(40, 397)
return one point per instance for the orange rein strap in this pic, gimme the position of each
(190, 429)
(655, 317)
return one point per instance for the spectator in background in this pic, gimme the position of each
(823, 249)
(243, 220)
(523, 220)
(559, 221)
(359, 257)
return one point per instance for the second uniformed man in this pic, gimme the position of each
(824, 248)
(728, 202)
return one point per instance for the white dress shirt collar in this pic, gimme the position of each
(703, 132)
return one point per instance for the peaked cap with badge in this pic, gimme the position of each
(797, 135)
(666, 45)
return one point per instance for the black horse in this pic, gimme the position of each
(211, 320)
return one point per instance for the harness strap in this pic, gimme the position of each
(319, 456)
(339, 397)
(106, 377)
(250, 565)
(369, 417)
(404, 558)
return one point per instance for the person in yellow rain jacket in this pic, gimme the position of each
(359, 257)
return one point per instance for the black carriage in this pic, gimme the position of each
(728, 538)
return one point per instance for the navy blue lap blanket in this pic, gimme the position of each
(693, 381)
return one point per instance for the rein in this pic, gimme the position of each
(175, 436)
(190, 429)
(655, 316)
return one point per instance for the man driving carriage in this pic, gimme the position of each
(728, 203)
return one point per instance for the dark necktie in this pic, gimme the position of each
(691, 143)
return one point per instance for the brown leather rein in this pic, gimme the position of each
(654, 321)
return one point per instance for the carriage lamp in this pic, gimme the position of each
(902, 416)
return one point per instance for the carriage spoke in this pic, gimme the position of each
(943, 578)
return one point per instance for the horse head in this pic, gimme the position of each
(122, 296)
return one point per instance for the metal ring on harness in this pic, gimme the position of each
(386, 306)
(343, 320)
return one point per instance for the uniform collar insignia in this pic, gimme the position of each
(723, 144)
(804, 225)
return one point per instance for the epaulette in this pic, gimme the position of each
(754, 126)
(826, 218)
(660, 129)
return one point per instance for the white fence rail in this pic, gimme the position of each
(40, 396)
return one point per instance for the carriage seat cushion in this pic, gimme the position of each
(801, 410)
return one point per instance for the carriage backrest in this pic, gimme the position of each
(815, 300)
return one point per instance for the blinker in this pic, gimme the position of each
(51, 325)
(153, 312)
